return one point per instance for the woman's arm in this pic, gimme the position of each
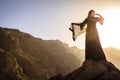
(100, 16)
(100, 19)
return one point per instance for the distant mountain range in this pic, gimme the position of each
(24, 57)
(112, 54)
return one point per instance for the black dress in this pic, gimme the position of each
(93, 49)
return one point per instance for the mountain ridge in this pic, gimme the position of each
(39, 59)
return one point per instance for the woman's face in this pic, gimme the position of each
(92, 14)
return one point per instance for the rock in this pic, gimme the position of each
(9, 68)
(94, 70)
(57, 77)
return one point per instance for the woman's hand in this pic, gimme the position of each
(101, 19)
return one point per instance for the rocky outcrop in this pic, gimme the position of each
(93, 70)
(9, 68)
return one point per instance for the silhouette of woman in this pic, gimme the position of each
(93, 49)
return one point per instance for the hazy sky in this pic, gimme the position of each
(49, 19)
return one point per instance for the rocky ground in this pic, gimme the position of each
(92, 70)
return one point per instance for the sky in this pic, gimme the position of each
(50, 19)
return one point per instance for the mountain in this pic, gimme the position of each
(9, 68)
(31, 58)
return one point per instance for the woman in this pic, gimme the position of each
(93, 49)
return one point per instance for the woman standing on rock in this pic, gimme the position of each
(93, 49)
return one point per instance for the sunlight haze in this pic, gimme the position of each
(50, 19)
(110, 31)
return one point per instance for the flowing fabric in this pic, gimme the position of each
(76, 31)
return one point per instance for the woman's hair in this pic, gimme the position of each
(89, 13)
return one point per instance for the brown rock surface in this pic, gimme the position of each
(93, 70)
